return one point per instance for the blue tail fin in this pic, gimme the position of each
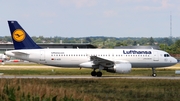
(20, 38)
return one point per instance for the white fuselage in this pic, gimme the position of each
(140, 58)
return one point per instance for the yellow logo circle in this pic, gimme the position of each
(19, 35)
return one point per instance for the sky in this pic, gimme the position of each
(85, 18)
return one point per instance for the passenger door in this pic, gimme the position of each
(155, 56)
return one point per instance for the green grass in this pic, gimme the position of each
(76, 71)
(89, 90)
(32, 69)
(38, 90)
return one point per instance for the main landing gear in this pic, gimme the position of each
(154, 72)
(98, 74)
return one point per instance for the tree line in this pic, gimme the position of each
(169, 44)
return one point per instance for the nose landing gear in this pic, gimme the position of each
(154, 72)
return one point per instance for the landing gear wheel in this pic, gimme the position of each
(99, 74)
(93, 73)
(154, 74)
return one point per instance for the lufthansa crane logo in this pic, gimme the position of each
(19, 35)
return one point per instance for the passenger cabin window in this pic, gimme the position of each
(166, 55)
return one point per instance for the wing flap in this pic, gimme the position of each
(101, 61)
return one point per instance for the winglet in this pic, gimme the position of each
(20, 38)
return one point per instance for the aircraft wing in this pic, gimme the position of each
(101, 61)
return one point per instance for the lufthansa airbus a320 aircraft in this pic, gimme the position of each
(111, 60)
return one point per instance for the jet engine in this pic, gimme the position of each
(87, 64)
(120, 67)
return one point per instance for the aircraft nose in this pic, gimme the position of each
(174, 60)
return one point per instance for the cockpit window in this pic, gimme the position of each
(166, 55)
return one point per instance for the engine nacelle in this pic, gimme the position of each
(121, 67)
(87, 64)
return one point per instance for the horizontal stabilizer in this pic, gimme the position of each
(20, 53)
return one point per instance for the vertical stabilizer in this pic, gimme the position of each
(20, 38)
